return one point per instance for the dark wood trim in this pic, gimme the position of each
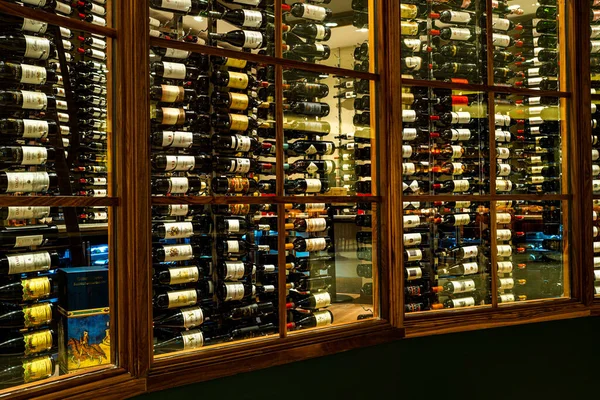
(55, 19)
(263, 199)
(59, 201)
(132, 178)
(436, 323)
(261, 59)
(56, 388)
(296, 347)
(484, 88)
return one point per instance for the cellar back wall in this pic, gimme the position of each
(551, 360)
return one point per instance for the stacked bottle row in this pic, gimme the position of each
(448, 253)
(93, 12)
(595, 83)
(534, 61)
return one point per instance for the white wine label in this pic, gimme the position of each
(458, 168)
(171, 94)
(234, 270)
(502, 136)
(28, 262)
(328, 167)
(462, 204)
(502, 153)
(322, 318)
(34, 155)
(35, 129)
(180, 163)
(460, 134)
(506, 283)
(409, 134)
(503, 234)
(64, 117)
(29, 241)
(192, 339)
(100, 216)
(27, 182)
(414, 186)
(597, 275)
(461, 185)
(240, 165)
(37, 341)
(37, 47)
(460, 117)
(252, 19)
(239, 122)
(536, 179)
(595, 154)
(409, 115)
(413, 273)
(409, 28)
(462, 219)
(463, 302)
(595, 231)
(413, 63)
(181, 275)
(313, 185)
(595, 34)
(62, 8)
(503, 185)
(463, 286)
(501, 24)
(177, 5)
(33, 74)
(459, 34)
(457, 151)
(411, 221)
(252, 40)
(178, 230)
(177, 139)
(192, 316)
(316, 224)
(500, 40)
(234, 291)
(27, 213)
(315, 244)
(322, 299)
(413, 254)
(502, 120)
(408, 169)
(460, 16)
(101, 44)
(233, 225)
(320, 34)
(596, 247)
(62, 105)
(595, 184)
(470, 251)
(412, 239)
(503, 218)
(412, 44)
(312, 207)
(406, 151)
(503, 169)
(178, 185)
(315, 13)
(470, 268)
(504, 250)
(171, 116)
(233, 246)
(182, 298)
(242, 143)
(178, 252)
(174, 70)
(34, 100)
(506, 298)
(505, 267)
(31, 25)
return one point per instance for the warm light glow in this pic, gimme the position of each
(332, 24)
(362, 30)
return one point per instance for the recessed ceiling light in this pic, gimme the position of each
(331, 24)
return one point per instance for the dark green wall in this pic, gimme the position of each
(552, 360)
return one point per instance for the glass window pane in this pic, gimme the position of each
(96, 13)
(529, 145)
(532, 252)
(446, 255)
(54, 296)
(445, 135)
(329, 126)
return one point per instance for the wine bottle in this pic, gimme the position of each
(171, 70)
(171, 163)
(310, 50)
(27, 100)
(178, 252)
(27, 343)
(299, 186)
(186, 317)
(180, 230)
(27, 370)
(187, 7)
(27, 128)
(28, 182)
(172, 116)
(238, 247)
(237, 226)
(312, 167)
(179, 275)
(235, 101)
(242, 38)
(27, 74)
(235, 270)
(28, 236)
(312, 31)
(316, 319)
(318, 109)
(237, 291)
(223, 185)
(186, 340)
(24, 213)
(19, 316)
(29, 289)
(25, 155)
(166, 298)
(26, 46)
(172, 94)
(311, 12)
(251, 310)
(254, 19)
(182, 140)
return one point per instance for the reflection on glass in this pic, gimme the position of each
(445, 136)
(82, 10)
(531, 252)
(49, 258)
(528, 146)
(447, 255)
(327, 125)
